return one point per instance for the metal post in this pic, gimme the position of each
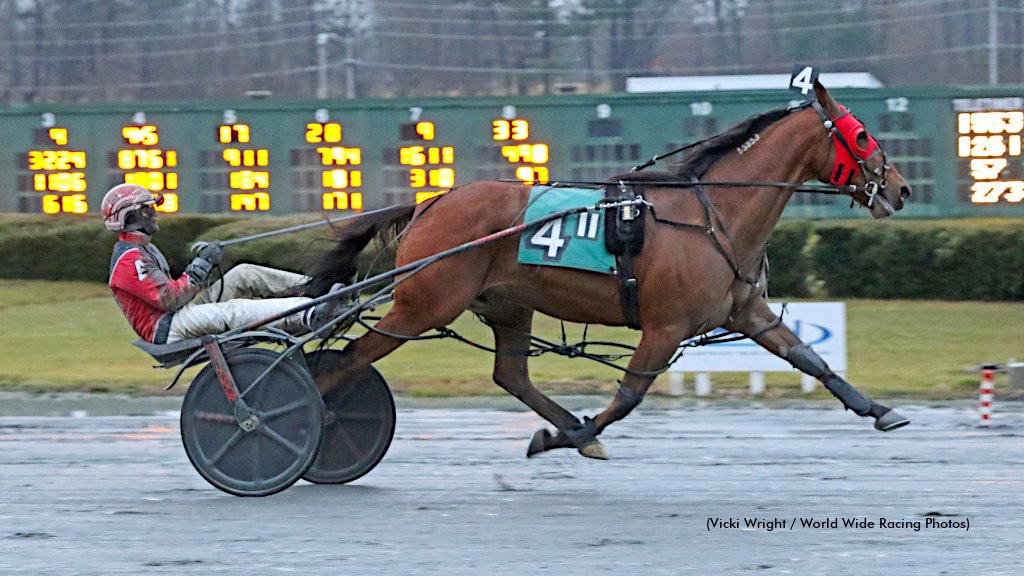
(702, 384)
(350, 71)
(808, 383)
(321, 52)
(993, 42)
(676, 383)
(757, 382)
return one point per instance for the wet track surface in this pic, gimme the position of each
(455, 495)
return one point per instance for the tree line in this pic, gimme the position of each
(117, 50)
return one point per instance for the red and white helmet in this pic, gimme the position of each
(124, 199)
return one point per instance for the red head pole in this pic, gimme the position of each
(985, 396)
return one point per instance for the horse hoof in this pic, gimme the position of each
(539, 442)
(891, 420)
(593, 450)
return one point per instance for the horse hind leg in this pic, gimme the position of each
(656, 348)
(779, 340)
(511, 325)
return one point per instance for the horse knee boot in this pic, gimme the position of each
(805, 359)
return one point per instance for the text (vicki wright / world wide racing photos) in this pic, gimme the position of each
(773, 524)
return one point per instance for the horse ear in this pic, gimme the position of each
(825, 99)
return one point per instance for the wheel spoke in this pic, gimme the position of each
(227, 446)
(273, 435)
(284, 409)
(216, 417)
(342, 398)
(343, 435)
(358, 417)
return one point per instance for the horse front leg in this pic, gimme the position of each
(764, 327)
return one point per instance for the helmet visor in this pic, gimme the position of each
(156, 200)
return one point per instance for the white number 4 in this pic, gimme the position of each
(803, 79)
(550, 237)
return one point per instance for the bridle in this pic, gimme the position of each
(850, 160)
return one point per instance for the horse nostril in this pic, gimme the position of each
(904, 192)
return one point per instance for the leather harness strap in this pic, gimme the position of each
(624, 237)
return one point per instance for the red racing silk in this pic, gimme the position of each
(141, 282)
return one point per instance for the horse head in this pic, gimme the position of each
(858, 160)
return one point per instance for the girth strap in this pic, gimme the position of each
(629, 291)
(624, 237)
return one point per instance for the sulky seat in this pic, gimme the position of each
(172, 353)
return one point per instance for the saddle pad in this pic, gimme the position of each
(576, 241)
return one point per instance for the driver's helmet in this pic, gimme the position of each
(122, 201)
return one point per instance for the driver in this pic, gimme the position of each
(162, 309)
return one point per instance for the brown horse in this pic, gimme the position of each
(689, 283)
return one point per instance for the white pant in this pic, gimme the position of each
(247, 293)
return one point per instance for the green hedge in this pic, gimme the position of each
(969, 260)
(918, 259)
(79, 247)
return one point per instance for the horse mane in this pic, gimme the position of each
(699, 159)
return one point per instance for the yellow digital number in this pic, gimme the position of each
(442, 177)
(990, 192)
(987, 169)
(533, 153)
(314, 133)
(317, 133)
(532, 174)
(990, 122)
(342, 201)
(340, 156)
(60, 182)
(73, 204)
(170, 203)
(425, 130)
(59, 136)
(412, 156)
(417, 178)
(235, 157)
(55, 160)
(153, 181)
(140, 135)
(445, 155)
(248, 180)
(502, 130)
(233, 133)
(130, 159)
(511, 130)
(981, 146)
(250, 202)
(339, 179)
(51, 204)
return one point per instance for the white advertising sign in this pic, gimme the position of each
(819, 324)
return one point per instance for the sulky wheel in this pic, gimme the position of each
(358, 425)
(289, 415)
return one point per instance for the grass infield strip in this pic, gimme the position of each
(70, 336)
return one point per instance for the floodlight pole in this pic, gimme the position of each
(321, 52)
(993, 42)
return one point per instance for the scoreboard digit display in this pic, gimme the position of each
(961, 148)
(144, 162)
(990, 142)
(52, 170)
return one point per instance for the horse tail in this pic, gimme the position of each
(341, 263)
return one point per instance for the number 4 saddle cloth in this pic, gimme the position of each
(576, 241)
